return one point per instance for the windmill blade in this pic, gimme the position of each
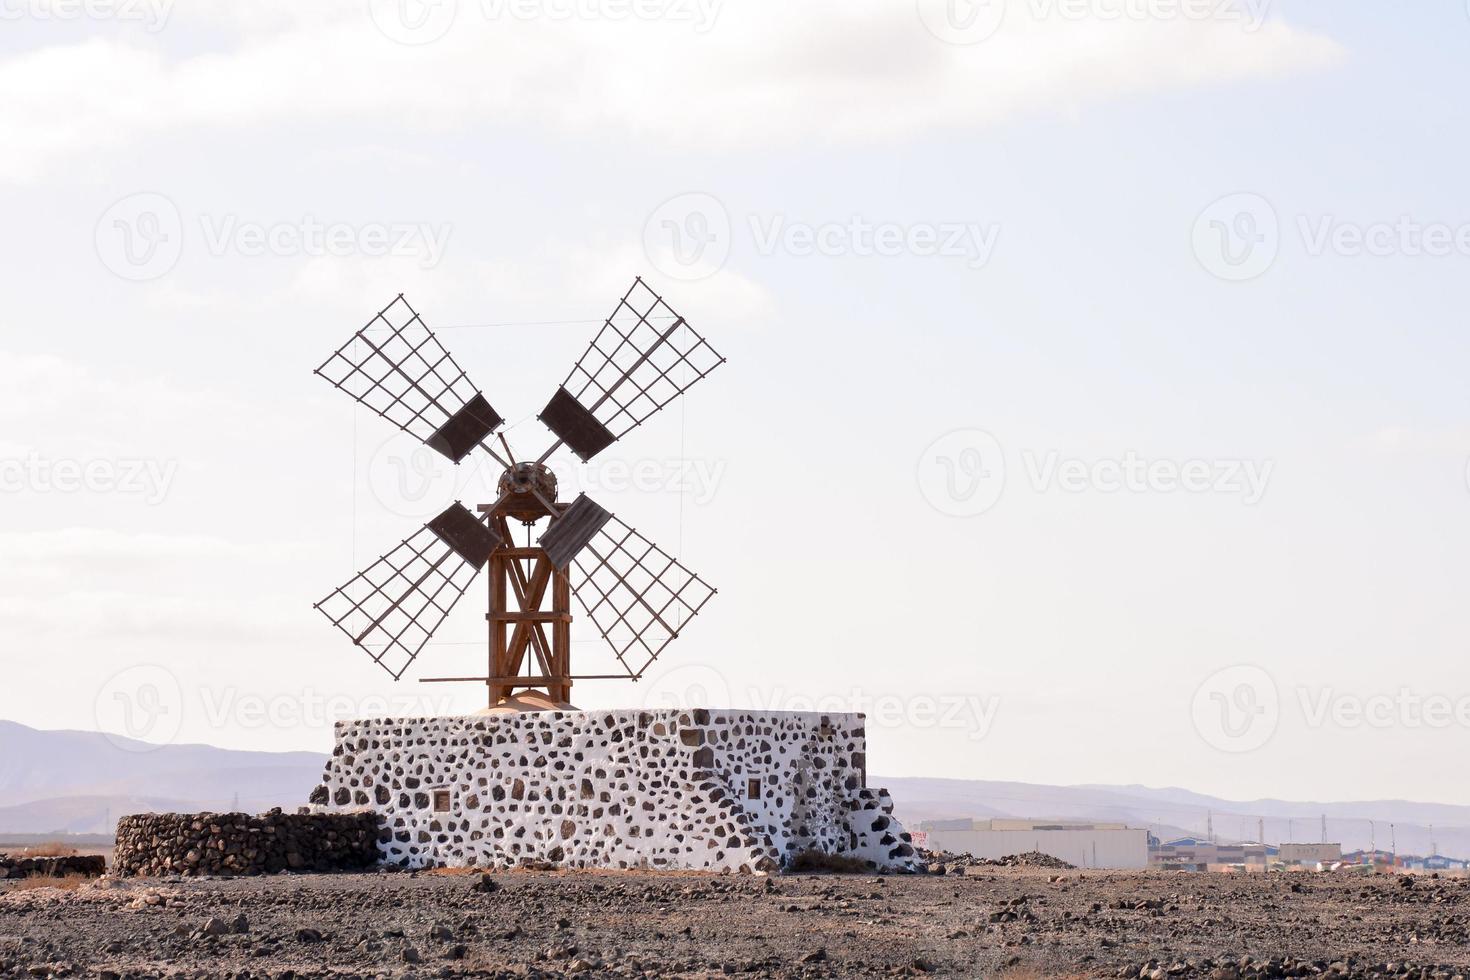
(572, 531)
(637, 595)
(393, 607)
(399, 369)
(644, 357)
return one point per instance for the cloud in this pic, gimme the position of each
(148, 616)
(85, 581)
(44, 396)
(549, 279)
(104, 544)
(77, 556)
(765, 74)
(1435, 441)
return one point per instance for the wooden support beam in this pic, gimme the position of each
(523, 634)
(534, 678)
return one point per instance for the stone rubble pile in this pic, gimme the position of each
(154, 844)
(90, 865)
(1262, 968)
(942, 862)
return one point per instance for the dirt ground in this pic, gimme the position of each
(1016, 922)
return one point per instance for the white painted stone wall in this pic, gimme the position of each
(702, 789)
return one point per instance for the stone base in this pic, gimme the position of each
(699, 789)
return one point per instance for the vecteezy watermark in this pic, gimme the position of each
(1404, 708)
(410, 480)
(152, 14)
(701, 685)
(697, 478)
(413, 21)
(231, 707)
(962, 473)
(1237, 709)
(425, 21)
(690, 236)
(1239, 237)
(688, 685)
(1133, 473)
(140, 708)
(973, 21)
(309, 237)
(962, 21)
(34, 473)
(144, 707)
(971, 241)
(140, 237)
(971, 713)
(1406, 236)
(699, 14)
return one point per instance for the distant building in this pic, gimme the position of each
(1310, 854)
(1192, 854)
(1440, 862)
(1086, 845)
(1434, 862)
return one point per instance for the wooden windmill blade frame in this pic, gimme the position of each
(644, 356)
(392, 608)
(638, 596)
(396, 366)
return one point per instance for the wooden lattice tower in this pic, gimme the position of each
(530, 618)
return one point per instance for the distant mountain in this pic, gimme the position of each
(1416, 828)
(81, 782)
(70, 815)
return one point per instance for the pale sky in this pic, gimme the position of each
(1096, 406)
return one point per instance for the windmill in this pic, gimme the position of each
(636, 595)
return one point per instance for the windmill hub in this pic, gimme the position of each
(521, 485)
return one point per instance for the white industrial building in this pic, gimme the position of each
(1086, 845)
(1310, 854)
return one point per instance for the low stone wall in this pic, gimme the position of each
(90, 865)
(238, 844)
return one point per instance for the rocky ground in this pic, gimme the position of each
(1021, 922)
